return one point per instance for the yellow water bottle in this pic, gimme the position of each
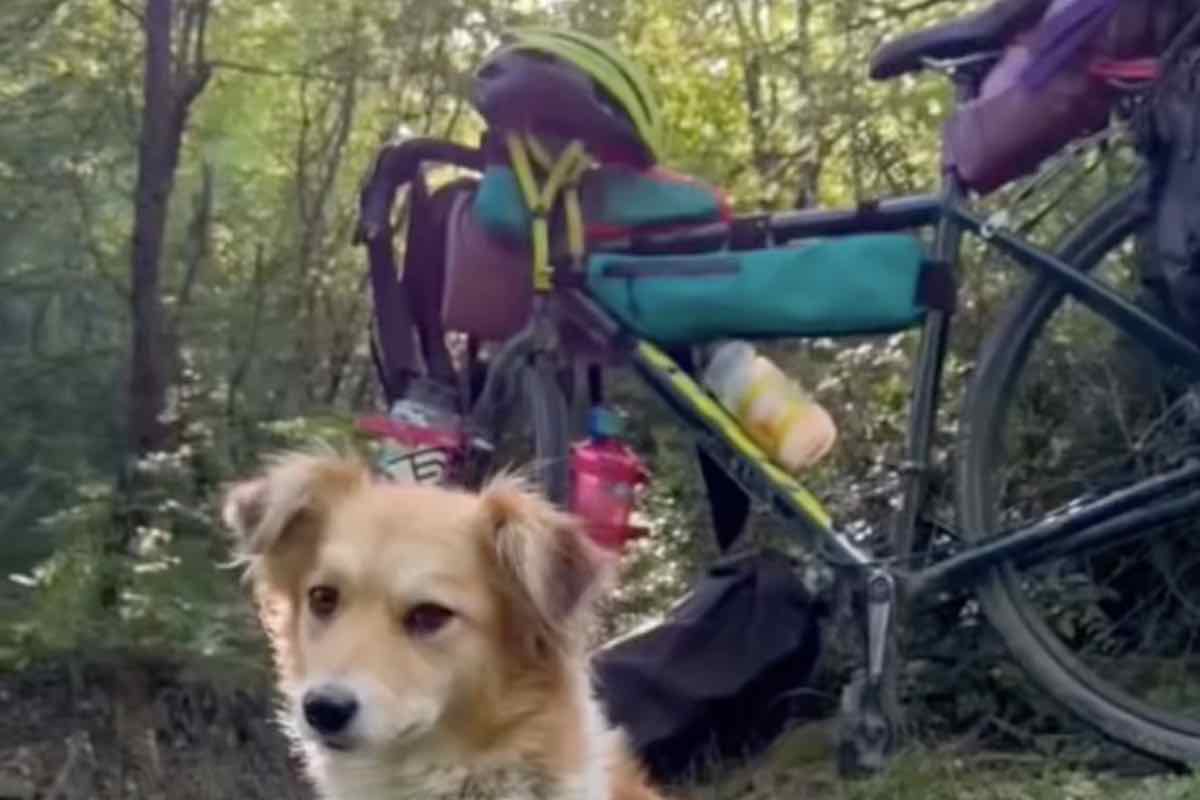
(794, 429)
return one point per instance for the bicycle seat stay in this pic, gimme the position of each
(985, 30)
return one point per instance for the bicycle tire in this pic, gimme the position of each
(539, 398)
(1045, 658)
(548, 406)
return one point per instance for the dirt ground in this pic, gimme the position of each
(147, 729)
(139, 730)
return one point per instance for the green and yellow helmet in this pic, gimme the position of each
(572, 86)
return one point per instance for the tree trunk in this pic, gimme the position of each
(175, 72)
(320, 150)
(148, 374)
(173, 78)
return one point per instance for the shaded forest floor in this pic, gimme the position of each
(145, 729)
(139, 729)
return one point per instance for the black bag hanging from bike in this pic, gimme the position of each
(723, 676)
(1171, 140)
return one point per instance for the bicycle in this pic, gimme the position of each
(1000, 552)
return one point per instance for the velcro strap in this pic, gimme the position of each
(937, 288)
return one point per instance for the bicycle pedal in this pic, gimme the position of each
(867, 737)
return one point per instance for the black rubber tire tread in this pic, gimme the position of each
(1050, 664)
(547, 406)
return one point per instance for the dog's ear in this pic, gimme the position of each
(261, 512)
(544, 550)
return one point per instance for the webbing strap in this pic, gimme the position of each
(563, 177)
(575, 230)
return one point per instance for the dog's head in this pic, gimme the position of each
(404, 614)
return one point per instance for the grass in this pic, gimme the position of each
(929, 777)
(200, 615)
(800, 767)
(202, 762)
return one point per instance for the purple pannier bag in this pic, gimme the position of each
(1041, 94)
(489, 284)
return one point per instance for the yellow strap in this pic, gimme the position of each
(564, 173)
(543, 276)
(575, 231)
(570, 167)
(523, 170)
(539, 152)
(566, 169)
(540, 229)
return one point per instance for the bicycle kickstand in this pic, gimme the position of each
(868, 729)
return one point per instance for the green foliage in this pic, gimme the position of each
(660, 567)
(269, 314)
(64, 613)
(176, 598)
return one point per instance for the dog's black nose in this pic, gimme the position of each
(329, 709)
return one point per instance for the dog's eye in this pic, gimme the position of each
(426, 619)
(323, 600)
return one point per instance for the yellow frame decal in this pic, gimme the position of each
(724, 423)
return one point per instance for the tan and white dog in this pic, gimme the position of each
(428, 641)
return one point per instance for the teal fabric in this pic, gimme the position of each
(632, 200)
(499, 206)
(615, 200)
(834, 287)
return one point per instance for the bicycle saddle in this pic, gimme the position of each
(988, 29)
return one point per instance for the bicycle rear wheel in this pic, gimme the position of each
(1064, 408)
(530, 431)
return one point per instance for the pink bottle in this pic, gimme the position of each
(606, 475)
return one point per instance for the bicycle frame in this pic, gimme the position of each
(869, 705)
(1094, 523)
(1103, 521)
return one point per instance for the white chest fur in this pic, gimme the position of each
(356, 782)
(435, 783)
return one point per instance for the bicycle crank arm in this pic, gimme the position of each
(868, 734)
(881, 613)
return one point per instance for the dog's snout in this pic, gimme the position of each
(329, 709)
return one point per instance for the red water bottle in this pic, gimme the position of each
(605, 477)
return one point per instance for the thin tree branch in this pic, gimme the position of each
(291, 74)
(198, 59)
(128, 9)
